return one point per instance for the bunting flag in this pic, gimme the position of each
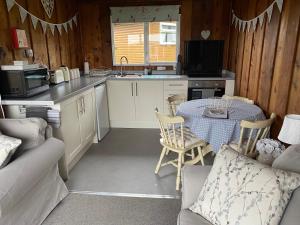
(52, 27)
(9, 4)
(70, 24)
(34, 21)
(243, 25)
(65, 25)
(58, 26)
(44, 26)
(23, 14)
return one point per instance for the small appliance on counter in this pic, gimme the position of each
(66, 73)
(23, 80)
(57, 76)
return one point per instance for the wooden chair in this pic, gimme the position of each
(176, 139)
(257, 130)
(247, 100)
(174, 101)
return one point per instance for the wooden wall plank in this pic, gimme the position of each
(294, 97)
(267, 61)
(186, 20)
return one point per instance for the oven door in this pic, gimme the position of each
(200, 93)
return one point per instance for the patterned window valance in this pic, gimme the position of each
(144, 14)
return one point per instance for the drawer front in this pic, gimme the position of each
(176, 85)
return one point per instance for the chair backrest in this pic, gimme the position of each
(257, 130)
(171, 129)
(174, 101)
(243, 99)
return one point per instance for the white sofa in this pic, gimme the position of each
(30, 185)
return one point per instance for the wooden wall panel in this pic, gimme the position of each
(48, 49)
(270, 59)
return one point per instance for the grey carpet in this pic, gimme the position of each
(78, 209)
(124, 162)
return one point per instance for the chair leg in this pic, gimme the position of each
(163, 152)
(201, 155)
(179, 171)
(167, 152)
(193, 153)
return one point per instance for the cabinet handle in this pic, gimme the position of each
(131, 89)
(136, 89)
(175, 85)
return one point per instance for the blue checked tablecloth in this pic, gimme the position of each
(217, 131)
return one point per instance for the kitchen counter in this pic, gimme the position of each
(58, 93)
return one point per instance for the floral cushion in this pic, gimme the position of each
(241, 191)
(8, 146)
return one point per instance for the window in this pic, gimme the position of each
(155, 43)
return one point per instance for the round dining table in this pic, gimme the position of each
(217, 131)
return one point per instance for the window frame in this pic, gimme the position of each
(146, 46)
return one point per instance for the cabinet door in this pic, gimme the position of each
(148, 95)
(87, 119)
(121, 100)
(70, 128)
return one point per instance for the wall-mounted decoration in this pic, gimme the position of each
(45, 25)
(48, 7)
(205, 34)
(19, 38)
(242, 25)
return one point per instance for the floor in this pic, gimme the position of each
(123, 164)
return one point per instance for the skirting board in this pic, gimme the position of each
(133, 124)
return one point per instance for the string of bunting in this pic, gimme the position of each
(23, 14)
(247, 24)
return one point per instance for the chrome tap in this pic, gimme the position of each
(121, 62)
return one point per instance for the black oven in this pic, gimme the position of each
(199, 89)
(23, 83)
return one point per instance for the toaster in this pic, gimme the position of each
(57, 77)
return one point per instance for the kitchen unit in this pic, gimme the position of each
(75, 102)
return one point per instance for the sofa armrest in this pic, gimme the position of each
(22, 174)
(31, 131)
(193, 178)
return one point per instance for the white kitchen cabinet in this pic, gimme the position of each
(121, 101)
(77, 128)
(229, 87)
(149, 95)
(132, 102)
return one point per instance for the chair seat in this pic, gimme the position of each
(235, 146)
(187, 217)
(190, 140)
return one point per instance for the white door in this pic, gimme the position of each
(70, 128)
(88, 117)
(121, 101)
(148, 96)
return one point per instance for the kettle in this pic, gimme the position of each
(66, 72)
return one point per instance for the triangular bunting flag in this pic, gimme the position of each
(279, 4)
(10, 4)
(44, 26)
(58, 26)
(243, 25)
(52, 27)
(261, 18)
(233, 19)
(249, 25)
(23, 13)
(269, 12)
(70, 24)
(236, 22)
(65, 25)
(34, 21)
(254, 23)
(75, 20)
(240, 25)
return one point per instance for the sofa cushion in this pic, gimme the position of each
(8, 146)
(186, 217)
(240, 190)
(289, 159)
